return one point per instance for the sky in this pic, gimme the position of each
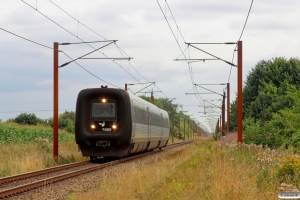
(142, 33)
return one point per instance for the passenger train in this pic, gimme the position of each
(111, 122)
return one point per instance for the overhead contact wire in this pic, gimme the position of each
(119, 48)
(78, 38)
(96, 34)
(26, 39)
(91, 72)
(175, 36)
(241, 36)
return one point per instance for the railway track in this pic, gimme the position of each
(17, 184)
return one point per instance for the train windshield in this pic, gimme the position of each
(103, 110)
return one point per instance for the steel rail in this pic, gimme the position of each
(9, 179)
(26, 187)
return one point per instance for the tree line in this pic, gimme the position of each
(66, 120)
(271, 104)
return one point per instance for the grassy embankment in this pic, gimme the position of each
(205, 170)
(28, 148)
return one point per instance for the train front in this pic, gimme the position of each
(103, 122)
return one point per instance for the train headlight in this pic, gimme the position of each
(104, 100)
(114, 127)
(93, 126)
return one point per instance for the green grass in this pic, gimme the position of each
(27, 148)
(203, 170)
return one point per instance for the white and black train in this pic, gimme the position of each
(113, 123)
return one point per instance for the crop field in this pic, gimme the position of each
(14, 133)
(26, 148)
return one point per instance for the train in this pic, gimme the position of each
(111, 122)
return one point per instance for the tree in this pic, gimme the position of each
(266, 88)
(66, 121)
(25, 118)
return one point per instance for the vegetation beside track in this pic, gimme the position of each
(26, 148)
(204, 170)
(15, 133)
(271, 101)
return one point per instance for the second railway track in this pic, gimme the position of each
(13, 185)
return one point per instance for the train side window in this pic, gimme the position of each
(166, 121)
(135, 114)
(152, 119)
(139, 115)
(146, 117)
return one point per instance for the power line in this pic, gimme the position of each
(5, 104)
(189, 64)
(246, 20)
(170, 25)
(240, 37)
(35, 110)
(76, 20)
(63, 53)
(96, 34)
(164, 14)
(92, 31)
(175, 21)
(26, 39)
(119, 48)
(90, 72)
(76, 37)
(49, 18)
(85, 42)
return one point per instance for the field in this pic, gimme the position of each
(206, 169)
(28, 148)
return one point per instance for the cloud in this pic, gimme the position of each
(26, 69)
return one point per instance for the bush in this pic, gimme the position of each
(25, 118)
(217, 136)
(66, 124)
(65, 121)
(10, 120)
(257, 134)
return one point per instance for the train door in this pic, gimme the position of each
(133, 116)
(162, 126)
(148, 124)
